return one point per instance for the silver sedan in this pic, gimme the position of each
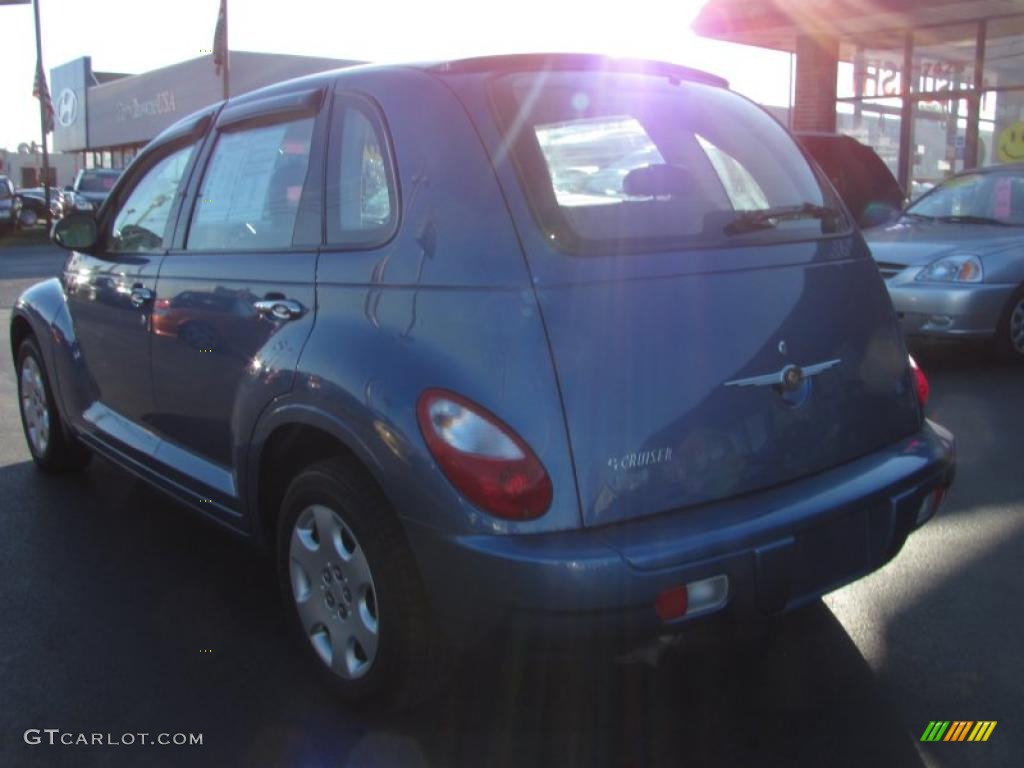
(954, 260)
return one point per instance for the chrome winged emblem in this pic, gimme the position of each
(789, 378)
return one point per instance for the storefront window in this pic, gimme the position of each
(1001, 129)
(1004, 53)
(871, 71)
(938, 141)
(874, 122)
(943, 58)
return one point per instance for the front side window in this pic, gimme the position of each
(644, 161)
(250, 195)
(141, 223)
(975, 197)
(361, 199)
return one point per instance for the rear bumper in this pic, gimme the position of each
(949, 311)
(779, 548)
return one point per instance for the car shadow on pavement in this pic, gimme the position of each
(978, 400)
(953, 651)
(127, 615)
(800, 695)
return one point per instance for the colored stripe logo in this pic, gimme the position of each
(958, 730)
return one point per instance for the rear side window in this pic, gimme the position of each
(644, 161)
(249, 197)
(141, 222)
(361, 192)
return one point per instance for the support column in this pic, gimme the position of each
(814, 105)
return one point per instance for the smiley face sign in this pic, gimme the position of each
(1010, 147)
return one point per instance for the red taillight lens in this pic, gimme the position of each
(482, 457)
(671, 603)
(920, 383)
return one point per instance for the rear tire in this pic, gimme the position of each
(1008, 344)
(53, 448)
(352, 590)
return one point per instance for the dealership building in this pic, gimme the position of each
(105, 118)
(934, 87)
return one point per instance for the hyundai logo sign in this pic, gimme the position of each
(67, 107)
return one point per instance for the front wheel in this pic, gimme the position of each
(53, 448)
(352, 591)
(1009, 340)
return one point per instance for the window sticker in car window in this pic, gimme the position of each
(250, 195)
(589, 159)
(744, 192)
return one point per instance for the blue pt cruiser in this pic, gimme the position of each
(557, 342)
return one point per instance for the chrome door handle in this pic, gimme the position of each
(280, 309)
(140, 296)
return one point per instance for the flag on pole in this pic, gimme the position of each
(220, 39)
(42, 92)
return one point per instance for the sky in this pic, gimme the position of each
(138, 35)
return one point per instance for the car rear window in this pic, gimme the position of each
(97, 182)
(624, 160)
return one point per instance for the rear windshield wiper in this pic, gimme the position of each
(969, 219)
(766, 218)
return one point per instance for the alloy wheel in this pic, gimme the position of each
(334, 592)
(34, 408)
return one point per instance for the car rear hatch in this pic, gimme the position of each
(703, 350)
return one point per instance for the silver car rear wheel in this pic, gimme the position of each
(334, 592)
(1017, 327)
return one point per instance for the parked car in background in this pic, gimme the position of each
(10, 206)
(92, 186)
(33, 205)
(61, 196)
(355, 318)
(861, 178)
(954, 261)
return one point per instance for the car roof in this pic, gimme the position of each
(498, 64)
(516, 62)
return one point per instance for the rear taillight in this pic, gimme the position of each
(482, 457)
(920, 382)
(692, 599)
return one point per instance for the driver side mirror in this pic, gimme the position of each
(877, 214)
(76, 232)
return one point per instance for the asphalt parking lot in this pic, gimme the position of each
(124, 615)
